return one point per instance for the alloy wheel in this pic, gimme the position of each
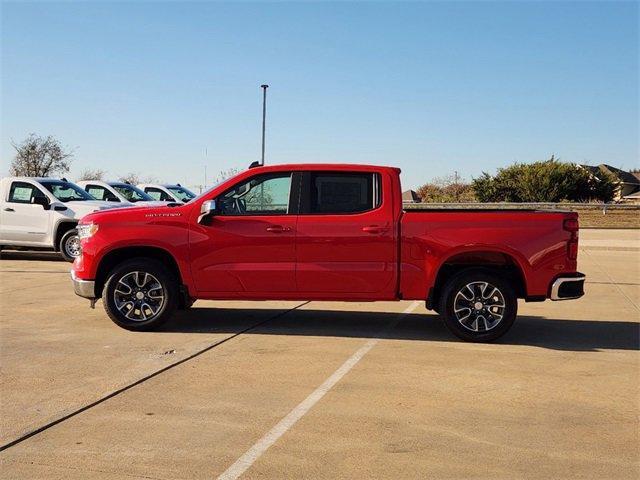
(479, 306)
(139, 296)
(72, 246)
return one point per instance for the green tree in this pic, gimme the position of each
(545, 181)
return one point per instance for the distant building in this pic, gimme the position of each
(410, 196)
(628, 183)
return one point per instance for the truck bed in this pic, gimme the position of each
(532, 241)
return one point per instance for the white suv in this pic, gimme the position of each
(167, 192)
(118, 192)
(43, 213)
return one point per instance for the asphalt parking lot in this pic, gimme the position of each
(321, 390)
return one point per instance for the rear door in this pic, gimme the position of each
(346, 243)
(248, 247)
(22, 220)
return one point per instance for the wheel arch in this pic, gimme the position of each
(61, 228)
(116, 256)
(497, 261)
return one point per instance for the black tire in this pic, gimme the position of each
(487, 321)
(69, 246)
(129, 310)
(186, 303)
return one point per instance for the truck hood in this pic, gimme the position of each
(139, 213)
(81, 208)
(150, 203)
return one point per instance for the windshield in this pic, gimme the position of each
(131, 193)
(182, 193)
(66, 191)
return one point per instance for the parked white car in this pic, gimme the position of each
(118, 192)
(43, 213)
(167, 192)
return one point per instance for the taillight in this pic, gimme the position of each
(571, 225)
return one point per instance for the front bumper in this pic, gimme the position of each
(568, 288)
(83, 288)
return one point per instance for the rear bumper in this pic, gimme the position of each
(568, 287)
(83, 288)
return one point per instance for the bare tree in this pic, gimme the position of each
(40, 157)
(134, 178)
(131, 177)
(95, 174)
(225, 174)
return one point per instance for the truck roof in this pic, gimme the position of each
(34, 179)
(324, 166)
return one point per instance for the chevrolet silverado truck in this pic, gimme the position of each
(42, 213)
(326, 232)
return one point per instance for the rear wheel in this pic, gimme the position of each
(140, 294)
(478, 306)
(69, 245)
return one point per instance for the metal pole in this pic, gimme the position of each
(456, 187)
(264, 115)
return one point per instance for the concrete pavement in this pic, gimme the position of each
(557, 397)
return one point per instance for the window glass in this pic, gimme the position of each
(131, 193)
(101, 193)
(157, 194)
(66, 191)
(181, 193)
(337, 193)
(261, 195)
(22, 192)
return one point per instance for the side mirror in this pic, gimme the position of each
(207, 209)
(43, 201)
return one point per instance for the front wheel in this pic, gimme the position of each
(140, 294)
(478, 306)
(69, 245)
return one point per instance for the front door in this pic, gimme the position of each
(248, 246)
(346, 243)
(23, 221)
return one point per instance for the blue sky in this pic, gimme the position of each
(430, 87)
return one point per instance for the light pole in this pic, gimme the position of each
(264, 116)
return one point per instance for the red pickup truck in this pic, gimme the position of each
(325, 232)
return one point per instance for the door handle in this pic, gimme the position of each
(9, 210)
(374, 229)
(278, 229)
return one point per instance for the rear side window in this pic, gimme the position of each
(23, 192)
(158, 194)
(343, 193)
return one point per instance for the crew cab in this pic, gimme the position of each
(119, 192)
(326, 232)
(43, 213)
(166, 192)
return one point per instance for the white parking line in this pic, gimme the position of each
(255, 452)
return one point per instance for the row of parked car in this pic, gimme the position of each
(42, 213)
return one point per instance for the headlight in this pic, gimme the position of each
(86, 231)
